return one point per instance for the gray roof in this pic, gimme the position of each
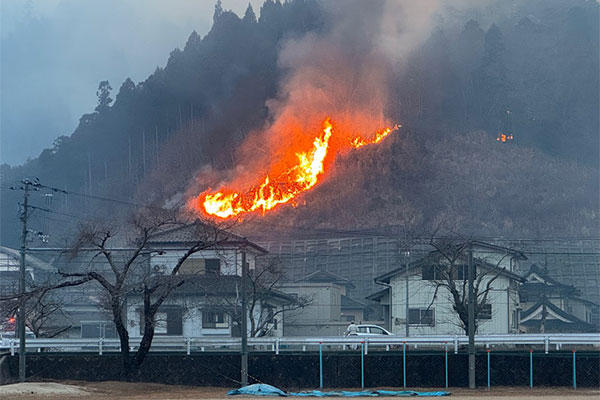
(436, 254)
(200, 231)
(326, 276)
(29, 259)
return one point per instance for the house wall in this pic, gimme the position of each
(192, 319)
(579, 309)
(503, 299)
(356, 315)
(322, 316)
(325, 305)
(231, 259)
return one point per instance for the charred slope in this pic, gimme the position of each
(468, 183)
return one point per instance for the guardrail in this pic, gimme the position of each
(277, 344)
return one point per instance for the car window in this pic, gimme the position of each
(377, 331)
(362, 329)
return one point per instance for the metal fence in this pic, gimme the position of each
(313, 344)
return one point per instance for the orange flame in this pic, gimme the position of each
(300, 177)
(379, 136)
(503, 137)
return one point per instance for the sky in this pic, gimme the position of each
(53, 54)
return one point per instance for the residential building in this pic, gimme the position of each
(550, 306)
(437, 286)
(363, 254)
(208, 302)
(323, 315)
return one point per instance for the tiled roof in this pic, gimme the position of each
(351, 303)
(325, 276)
(199, 231)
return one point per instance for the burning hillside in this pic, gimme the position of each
(301, 172)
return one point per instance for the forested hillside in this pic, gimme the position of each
(528, 69)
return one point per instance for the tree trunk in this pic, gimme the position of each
(150, 311)
(124, 341)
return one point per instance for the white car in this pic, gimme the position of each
(370, 330)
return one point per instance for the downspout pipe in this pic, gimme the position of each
(387, 285)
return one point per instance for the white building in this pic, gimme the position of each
(437, 287)
(207, 303)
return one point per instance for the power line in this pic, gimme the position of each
(122, 202)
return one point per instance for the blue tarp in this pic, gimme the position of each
(258, 389)
(261, 389)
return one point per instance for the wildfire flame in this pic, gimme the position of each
(379, 136)
(503, 137)
(283, 187)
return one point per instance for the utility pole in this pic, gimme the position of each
(27, 185)
(407, 308)
(244, 358)
(406, 255)
(471, 319)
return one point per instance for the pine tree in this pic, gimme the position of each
(249, 16)
(104, 98)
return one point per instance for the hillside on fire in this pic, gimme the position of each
(345, 115)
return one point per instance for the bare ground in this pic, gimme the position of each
(69, 390)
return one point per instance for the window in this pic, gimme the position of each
(439, 272)
(462, 272)
(421, 316)
(431, 273)
(377, 331)
(213, 320)
(485, 311)
(362, 329)
(102, 329)
(212, 266)
(193, 266)
(168, 321)
(428, 273)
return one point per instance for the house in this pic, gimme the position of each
(208, 301)
(354, 310)
(36, 270)
(437, 288)
(323, 315)
(550, 306)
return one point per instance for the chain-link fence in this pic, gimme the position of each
(424, 369)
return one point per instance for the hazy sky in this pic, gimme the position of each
(53, 54)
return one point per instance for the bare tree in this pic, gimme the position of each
(266, 304)
(44, 308)
(447, 270)
(127, 273)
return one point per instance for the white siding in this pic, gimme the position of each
(502, 299)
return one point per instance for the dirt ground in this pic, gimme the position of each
(68, 390)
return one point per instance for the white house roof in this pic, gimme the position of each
(436, 254)
(10, 259)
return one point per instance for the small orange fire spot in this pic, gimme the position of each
(379, 136)
(302, 175)
(503, 137)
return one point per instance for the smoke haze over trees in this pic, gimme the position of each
(529, 69)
